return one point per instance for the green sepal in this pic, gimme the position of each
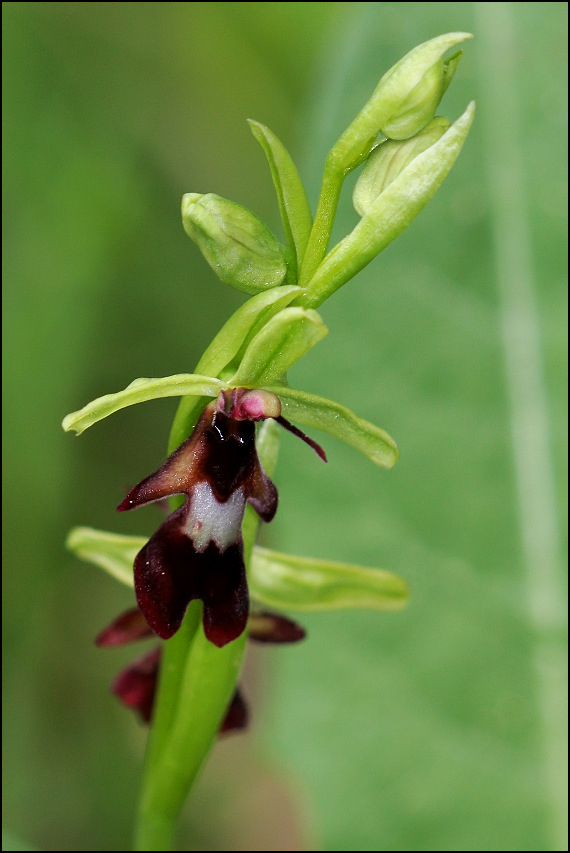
(278, 345)
(302, 583)
(140, 391)
(110, 551)
(389, 159)
(449, 68)
(294, 207)
(391, 214)
(309, 410)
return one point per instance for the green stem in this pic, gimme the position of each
(324, 219)
(169, 685)
(206, 687)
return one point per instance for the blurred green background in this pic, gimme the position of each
(439, 728)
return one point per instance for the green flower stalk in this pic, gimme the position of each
(202, 585)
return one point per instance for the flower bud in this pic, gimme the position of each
(403, 102)
(389, 159)
(241, 250)
(390, 213)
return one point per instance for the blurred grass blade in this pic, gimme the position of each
(140, 391)
(293, 203)
(14, 842)
(309, 410)
(110, 551)
(303, 583)
(279, 344)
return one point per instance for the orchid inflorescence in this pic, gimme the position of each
(195, 577)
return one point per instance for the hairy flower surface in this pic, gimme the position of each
(197, 553)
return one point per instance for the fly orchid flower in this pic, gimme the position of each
(197, 553)
(136, 685)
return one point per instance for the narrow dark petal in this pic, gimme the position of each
(300, 434)
(237, 716)
(136, 685)
(178, 473)
(263, 494)
(270, 628)
(127, 628)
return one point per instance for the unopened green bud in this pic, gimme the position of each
(403, 102)
(389, 159)
(241, 250)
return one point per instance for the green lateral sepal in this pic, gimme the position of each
(309, 410)
(302, 583)
(140, 391)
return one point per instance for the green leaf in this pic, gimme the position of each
(279, 344)
(313, 411)
(293, 203)
(110, 551)
(303, 583)
(392, 212)
(140, 391)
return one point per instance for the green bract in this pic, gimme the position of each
(229, 345)
(222, 358)
(241, 250)
(291, 196)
